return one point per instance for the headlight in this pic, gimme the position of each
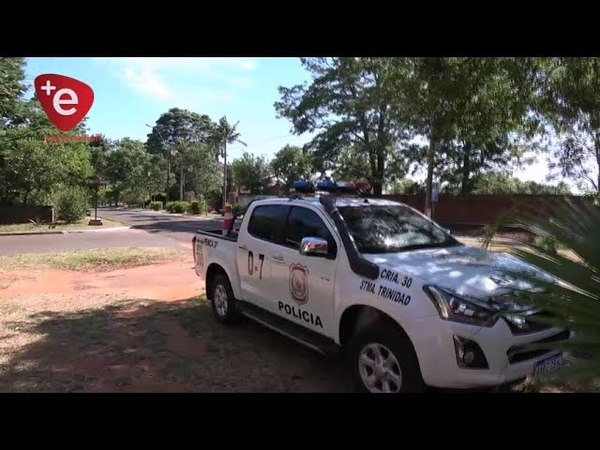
(459, 309)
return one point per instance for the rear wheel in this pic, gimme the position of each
(382, 360)
(223, 301)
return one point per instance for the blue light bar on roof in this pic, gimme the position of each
(326, 184)
(303, 186)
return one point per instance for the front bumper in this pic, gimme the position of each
(437, 354)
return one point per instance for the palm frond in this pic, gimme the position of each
(568, 286)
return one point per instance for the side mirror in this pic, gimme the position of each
(312, 246)
(448, 230)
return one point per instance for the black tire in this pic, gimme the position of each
(386, 337)
(229, 314)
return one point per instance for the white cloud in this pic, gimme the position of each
(248, 65)
(173, 78)
(146, 82)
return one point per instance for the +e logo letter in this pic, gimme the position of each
(57, 100)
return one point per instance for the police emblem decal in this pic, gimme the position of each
(299, 283)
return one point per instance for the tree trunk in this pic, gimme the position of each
(465, 185)
(597, 148)
(380, 170)
(224, 173)
(168, 174)
(181, 181)
(429, 183)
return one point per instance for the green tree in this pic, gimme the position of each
(251, 172)
(351, 164)
(406, 186)
(203, 174)
(12, 88)
(224, 133)
(499, 183)
(472, 102)
(157, 175)
(127, 167)
(176, 125)
(99, 153)
(347, 103)
(291, 163)
(572, 106)
(32, 169)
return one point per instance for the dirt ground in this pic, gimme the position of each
(146, 329)
(143, 329)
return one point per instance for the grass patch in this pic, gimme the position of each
(58, 226)
(84, 260)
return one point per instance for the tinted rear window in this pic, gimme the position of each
(268, 222)
(303, 222)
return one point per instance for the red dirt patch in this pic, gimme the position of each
(164, 281)
(141, 329)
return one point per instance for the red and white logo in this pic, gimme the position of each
(65, 100)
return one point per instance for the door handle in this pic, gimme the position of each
(278, 259)
(243, 247)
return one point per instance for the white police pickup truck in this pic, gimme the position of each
(406, 303)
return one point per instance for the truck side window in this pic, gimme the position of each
(267, 222)
(303, 222)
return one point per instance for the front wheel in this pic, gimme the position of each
(382, 360)
(223, 301)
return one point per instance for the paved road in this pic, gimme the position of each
(181, 228)
(148, 229)
(12, 245)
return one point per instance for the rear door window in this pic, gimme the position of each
(268, 222)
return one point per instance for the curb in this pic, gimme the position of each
(98, 230)
(28, 233)
(165, 213)
(37, 233)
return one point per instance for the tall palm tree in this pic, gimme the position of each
(573, 296)
(224, 133)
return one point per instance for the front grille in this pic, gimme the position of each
(531, 324)
(520, 353)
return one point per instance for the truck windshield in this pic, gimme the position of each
(393, 228)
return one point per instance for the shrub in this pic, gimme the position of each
(133, 198)
(156, 206)
(71, 203)
(237, 209)
(195, 207)
(178, 207)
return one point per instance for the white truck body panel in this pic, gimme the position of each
(315, 292)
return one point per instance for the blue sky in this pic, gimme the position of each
(132, 92)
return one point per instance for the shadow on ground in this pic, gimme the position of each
(148, 346)
(188, 225)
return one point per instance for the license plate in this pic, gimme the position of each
(548, 365)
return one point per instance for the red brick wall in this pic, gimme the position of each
(22, 214)
(479, 209)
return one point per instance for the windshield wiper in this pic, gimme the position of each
(448, 243)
